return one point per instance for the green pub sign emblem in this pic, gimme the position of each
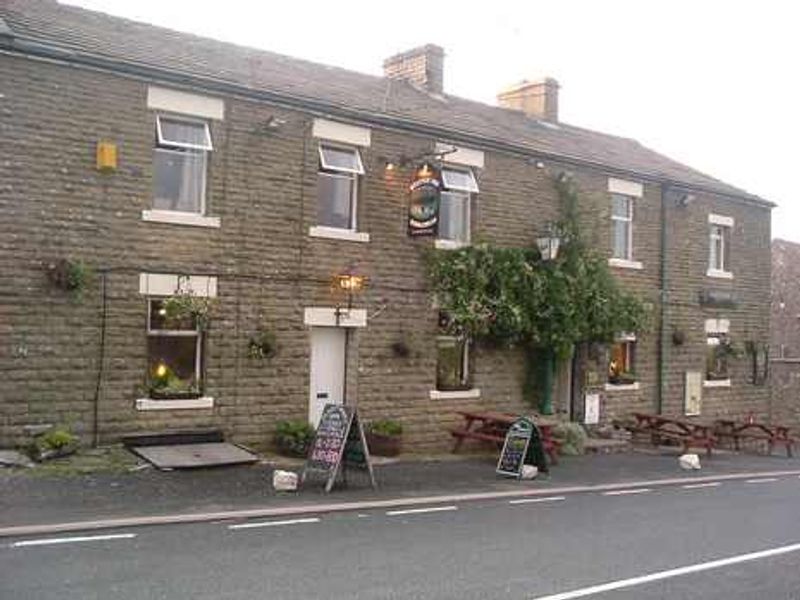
(423, 205)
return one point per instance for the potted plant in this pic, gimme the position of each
(384, 437)
(165, 384)
(69, 275)
(262, 345)
(293, 438)
(53, 444)
(622, 378)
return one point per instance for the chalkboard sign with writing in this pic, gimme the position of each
(338, 444)
(523, 445)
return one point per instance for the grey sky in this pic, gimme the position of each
(713, 84)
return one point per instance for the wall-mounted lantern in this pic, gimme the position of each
(549, 242)
(347, 284)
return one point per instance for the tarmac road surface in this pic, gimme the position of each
(731, 540)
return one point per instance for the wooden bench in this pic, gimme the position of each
(687, 433)
(492, 427)
(772, 435)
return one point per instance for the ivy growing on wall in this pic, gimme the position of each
(511, 297)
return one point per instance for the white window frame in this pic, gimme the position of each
(465, 362)
(174, 216)
(627, 219)
(470, 188)
(715, 330)
(626, 338)
(719, 227)
(334, 171)
(467, 192)
(198, 360)
(162, 142)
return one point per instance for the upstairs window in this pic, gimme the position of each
(622, 361)
(719, 246)
(454, 209)
(622, 226)
(179, 164)
(337, 186)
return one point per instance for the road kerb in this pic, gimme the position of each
(332, 507)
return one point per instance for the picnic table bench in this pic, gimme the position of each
(771, 434)
(688, 433)
(492, 427)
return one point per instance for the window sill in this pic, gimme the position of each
(719, 274)
(624, 263)
(454, 394)
(450, 244)
(717, 383)
(180, 218)
(334, 233)
(622, 387)
(150, 404)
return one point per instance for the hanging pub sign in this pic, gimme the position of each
(423, 202)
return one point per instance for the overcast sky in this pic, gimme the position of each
(714, 84)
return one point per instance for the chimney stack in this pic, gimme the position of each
(423, 66)
(537, 99)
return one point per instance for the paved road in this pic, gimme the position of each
(737, 540)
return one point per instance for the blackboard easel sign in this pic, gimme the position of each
(523, 445)
(339, 444)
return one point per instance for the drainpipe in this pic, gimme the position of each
(663, 299)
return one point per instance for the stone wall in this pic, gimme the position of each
(262, 186)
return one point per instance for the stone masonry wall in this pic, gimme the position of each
(262, 185)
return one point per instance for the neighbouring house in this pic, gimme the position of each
(148, 176)
(784, 351)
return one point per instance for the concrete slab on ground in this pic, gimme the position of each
(192, 456)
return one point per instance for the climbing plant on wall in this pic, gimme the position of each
(512, 297)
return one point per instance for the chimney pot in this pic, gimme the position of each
(422, 66)
(537, 99)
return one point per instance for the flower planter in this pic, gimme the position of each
(173, 395)
(384, 445)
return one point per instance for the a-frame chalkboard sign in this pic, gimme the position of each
(338, 445)
(523, 445)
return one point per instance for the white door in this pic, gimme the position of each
(327, 370)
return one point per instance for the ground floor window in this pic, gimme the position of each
(174, 354)
(717, 354)
(719, 349)
(622, 361)
(452, 363)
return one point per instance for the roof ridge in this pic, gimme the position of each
(119, 41)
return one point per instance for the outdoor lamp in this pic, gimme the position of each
(549, 242)
(350, 284)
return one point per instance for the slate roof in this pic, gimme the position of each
(142, 44)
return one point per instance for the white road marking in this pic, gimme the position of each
(362, 516)
(762, 480)
(537, 500)
(73, 540)
(627, 492)
(697, 486)
(274, 523)
(417, 511)
(658, 576)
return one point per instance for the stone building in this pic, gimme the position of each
(784, 352)
(138, 162)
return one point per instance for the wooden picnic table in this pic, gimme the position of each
(751, 430)
(688, 433)
(491, 426)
